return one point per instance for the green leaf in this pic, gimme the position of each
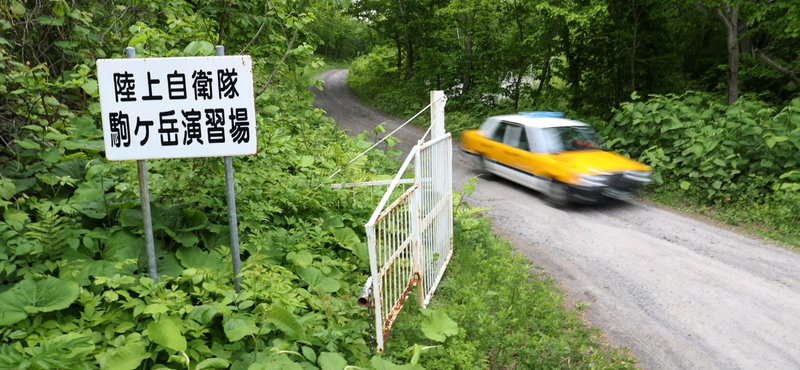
(127, 357)
(203, 314)
(237, 328)
(156, 308)
(213, 363)
(306, 161)
(301, 259)
(7, 189)
(309, 354)
(346, 237)
(15, 215)
(199, 48)
(685, 185)
(193, 257)
(47, 21)
(316, 279)
(286, 322)
(167, 332)
(331, 361)
(90, 87)
(195, 220)
(30, 297)
(87, 192)
(28, 144)
(438, 326)
(771, 142)
(468, 188)
(138, 39)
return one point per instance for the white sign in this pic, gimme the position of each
(177, 107)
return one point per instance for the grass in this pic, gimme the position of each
(774, 221)
(511, 315)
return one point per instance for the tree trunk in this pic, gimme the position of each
(409, 52)
(409, 56)
(546, 67)
(521, 59)
(730, 19)
(399, 53)
(633, 46)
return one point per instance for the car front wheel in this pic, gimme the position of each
(557, 193)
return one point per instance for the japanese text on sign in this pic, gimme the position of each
(177, 107)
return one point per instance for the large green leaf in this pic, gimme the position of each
(167, 332)
(29, 297)
(331, 361)
(286, 321)
(438, 326)
(238, 328)
(199, 48)
(75, 168)
(127, 357)
(193, 257)
(381, 364)
(315, 278)
(213, 363)
(346, 237)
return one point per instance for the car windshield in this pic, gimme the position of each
(572, 138)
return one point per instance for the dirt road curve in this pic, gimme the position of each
(679, 293)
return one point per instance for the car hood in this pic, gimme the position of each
(598, 161)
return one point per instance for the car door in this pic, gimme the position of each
(517, 156)
(534, 158)
(491, 147)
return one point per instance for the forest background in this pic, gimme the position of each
(651, 76)
(705, 92)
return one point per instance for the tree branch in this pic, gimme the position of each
(789, 73)
(266, 10)
(269, 81)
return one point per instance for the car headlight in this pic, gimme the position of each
(592, 180)
(638, 176)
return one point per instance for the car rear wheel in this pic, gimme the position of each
(557, 193)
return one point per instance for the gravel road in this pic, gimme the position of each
(680, 293)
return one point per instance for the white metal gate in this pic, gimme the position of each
(411, 240)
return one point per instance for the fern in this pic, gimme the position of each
(51, 231)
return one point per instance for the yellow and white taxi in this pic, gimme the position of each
(563, 159)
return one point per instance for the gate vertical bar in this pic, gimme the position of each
(233, 223)
(144, 193)
(376, 287)
(437, 113)
(416, 226)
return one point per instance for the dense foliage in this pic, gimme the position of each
(587, 55)
(743, 157)
(75, 293)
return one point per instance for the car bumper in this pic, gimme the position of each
(602, 194)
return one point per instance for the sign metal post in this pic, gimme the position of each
(231, 195)
(144, 193)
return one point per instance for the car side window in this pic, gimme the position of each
(536, 138)
(515, 137)
(499, 133)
